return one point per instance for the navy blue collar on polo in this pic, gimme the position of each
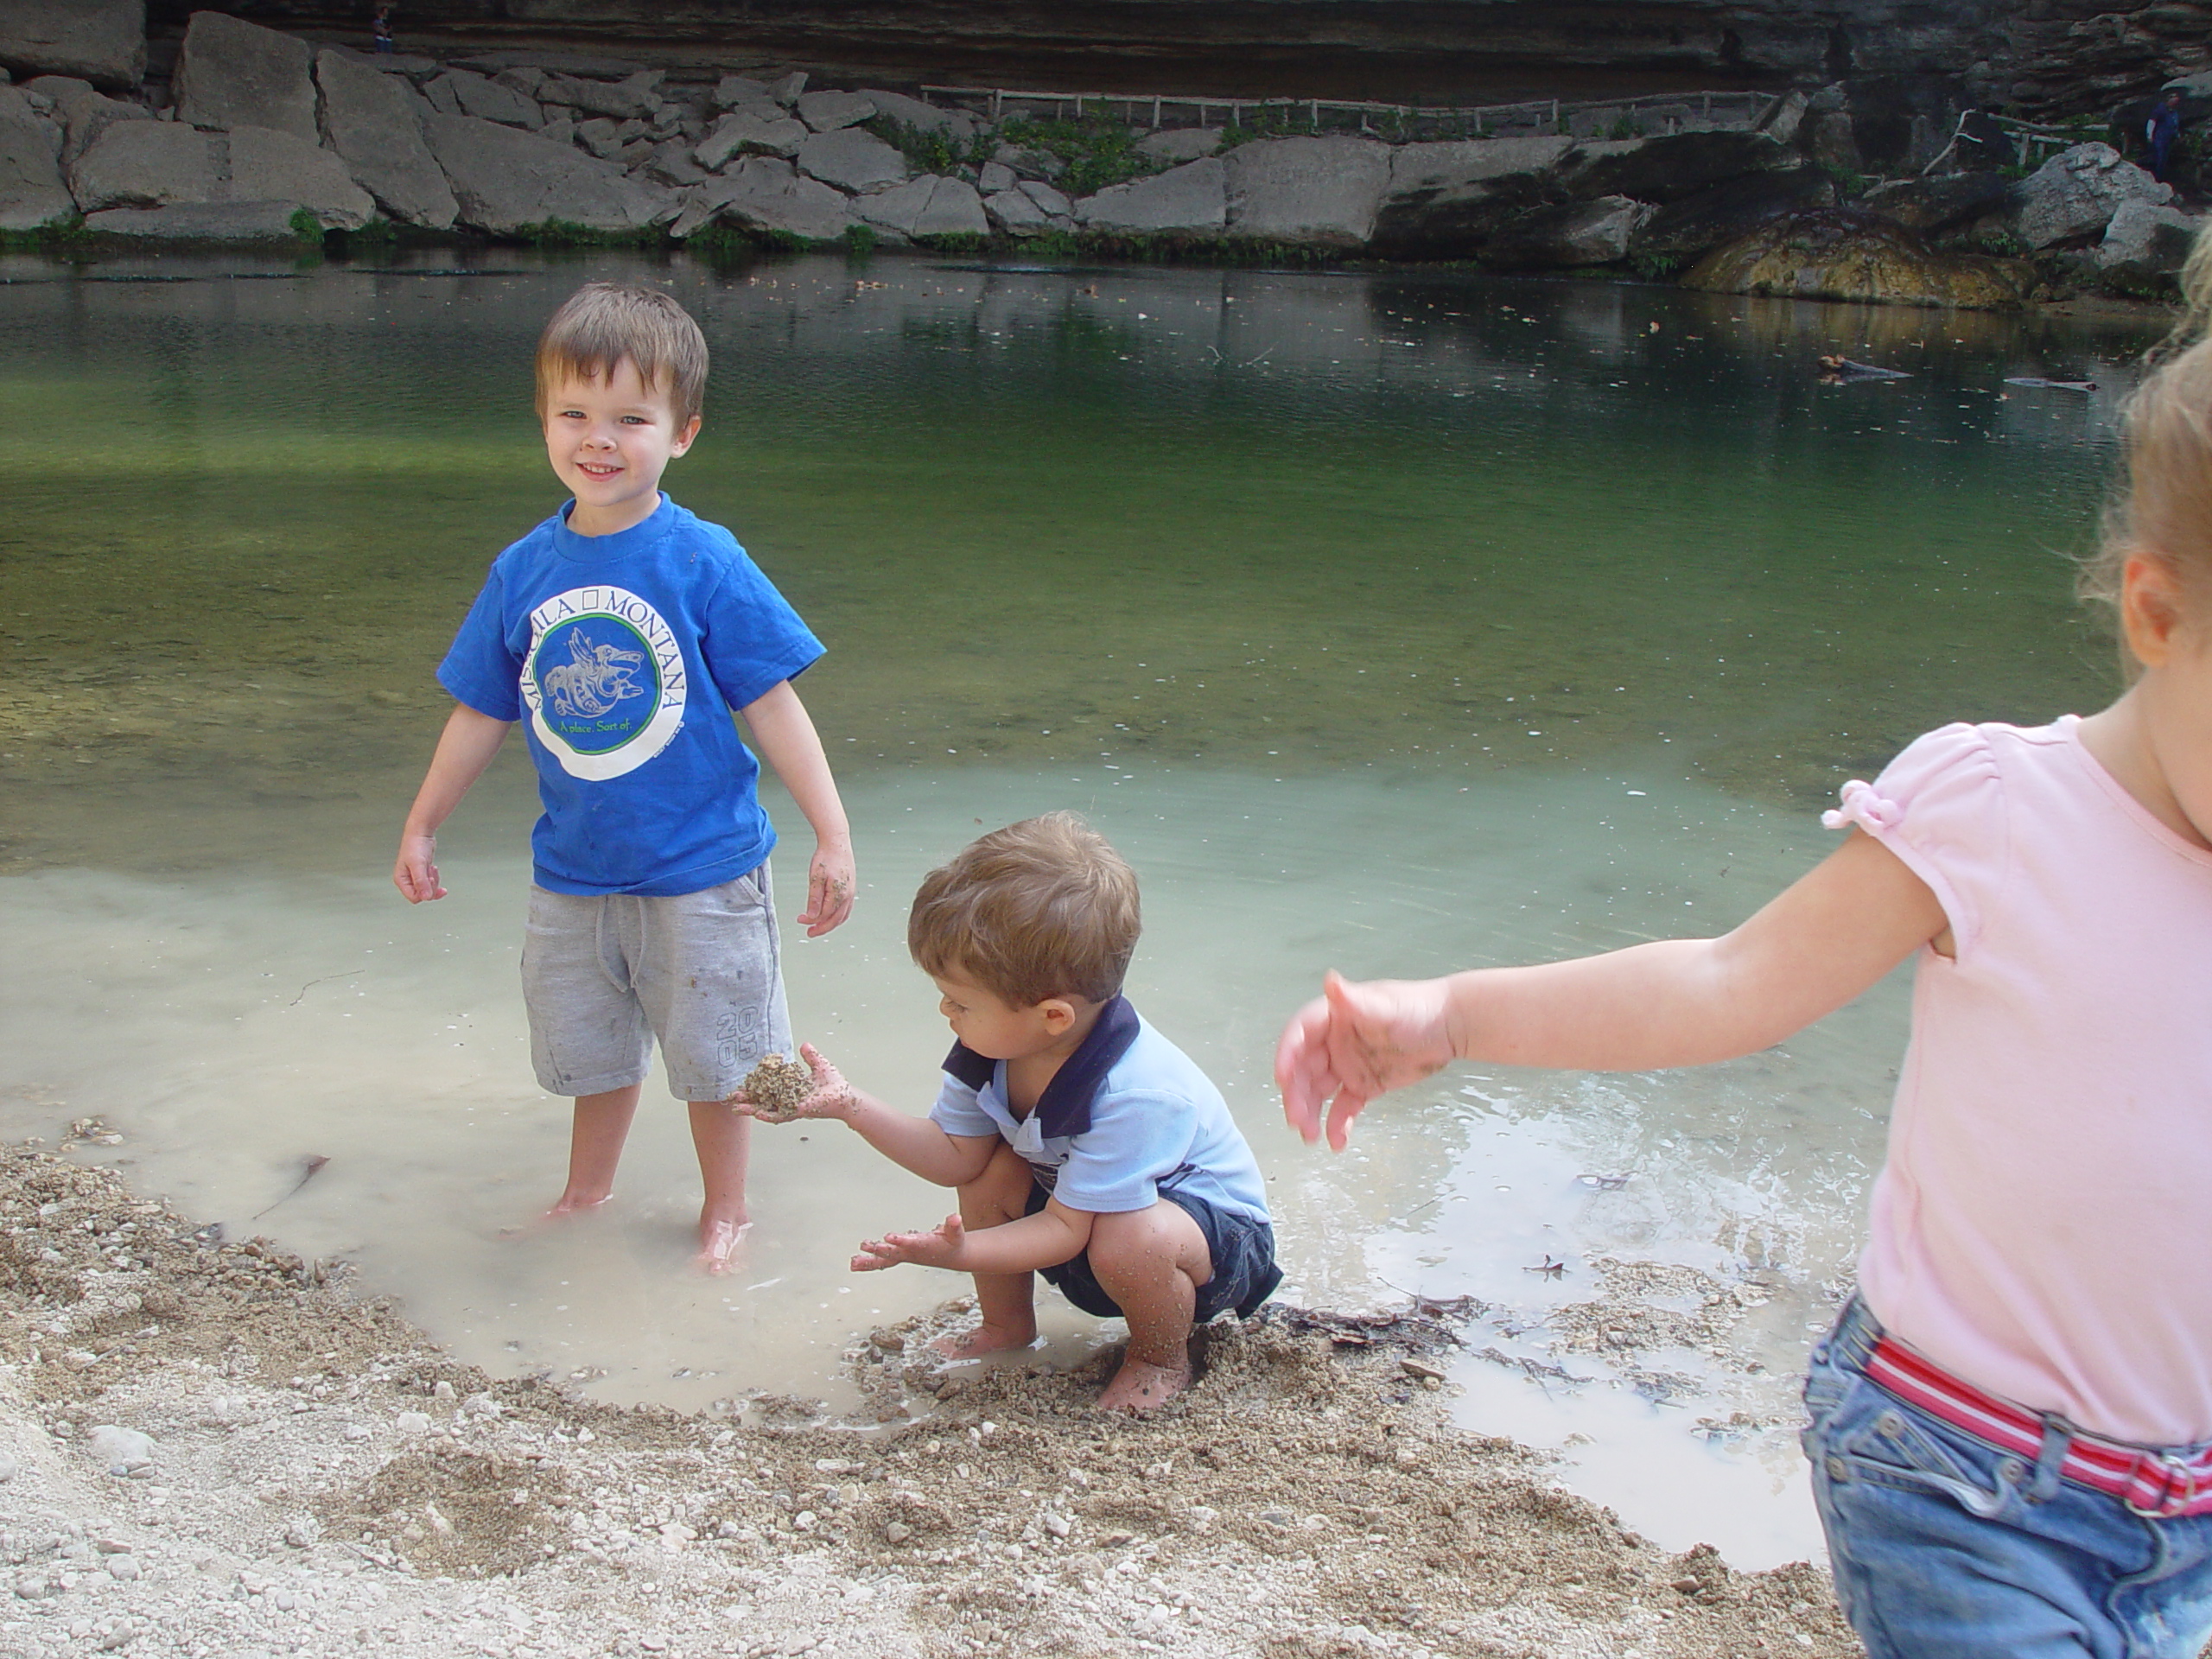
(1064, 1107)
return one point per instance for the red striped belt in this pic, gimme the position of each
(2158, 1484)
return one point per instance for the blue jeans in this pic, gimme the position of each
(1945, 1547)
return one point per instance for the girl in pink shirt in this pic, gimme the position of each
(2010, 1431)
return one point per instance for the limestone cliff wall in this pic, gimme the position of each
(2032, 54)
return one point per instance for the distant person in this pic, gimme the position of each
(380, 29)
(626, 632)
(2160, 132)
(1084, 1145)
(2010, 1433)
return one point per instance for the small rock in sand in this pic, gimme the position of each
(7, 1468)
(897, 1533)
(124, 1567)
(124, 1448)
(414, 1422)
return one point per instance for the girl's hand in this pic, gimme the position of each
(930, 1250)
(831, 1096)
(829, 888)
(1356, 1041)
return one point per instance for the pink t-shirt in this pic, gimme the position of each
(2042, 1227)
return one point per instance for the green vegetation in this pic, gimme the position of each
(1655, 267)
(1849, 185)
(934, 152)
(51, 237)
(859, 241)
(1098, 153)
(306, 225)
(562, 234)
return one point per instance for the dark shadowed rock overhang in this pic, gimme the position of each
(2027, 52)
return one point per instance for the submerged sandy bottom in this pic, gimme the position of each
(230, 1028)
(217, 1450)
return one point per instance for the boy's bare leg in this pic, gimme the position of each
(1152, 1262)
(602, 1124)
(724, 1143)
(1008, 1301)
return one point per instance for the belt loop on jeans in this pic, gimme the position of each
(2050, 1458)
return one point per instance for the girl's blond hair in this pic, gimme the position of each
(2163, 507)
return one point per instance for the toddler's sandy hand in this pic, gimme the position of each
(415, 873)
(829, 886)
(930, 1250)
(829, 1095)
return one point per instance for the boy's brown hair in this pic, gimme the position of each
(1040, 909)
(603, 323)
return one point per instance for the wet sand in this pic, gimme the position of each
(321, 1478)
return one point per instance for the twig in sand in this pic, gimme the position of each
(350, 973)
(308, 1165)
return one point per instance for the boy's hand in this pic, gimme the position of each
(1354, 1042)
(415, 873)
(829, 888)
(932, 1249)
(831, 1095)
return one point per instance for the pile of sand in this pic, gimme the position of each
(314, 1476)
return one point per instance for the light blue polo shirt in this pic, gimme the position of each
(1128, 1116)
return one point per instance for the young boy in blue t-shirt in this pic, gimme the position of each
(1085, 1145)
(626, 632)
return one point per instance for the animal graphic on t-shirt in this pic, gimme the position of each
(595, 679)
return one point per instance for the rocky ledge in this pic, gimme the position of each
(262, 136)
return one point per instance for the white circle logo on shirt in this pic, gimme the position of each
(604, 682)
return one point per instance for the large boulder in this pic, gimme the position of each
(266, 165)
(634, 97)
(489, 101)
(1836, 254)
(31, 190)
(199, 221)
(765, 195)
(1570, 233)
(1307, 192)
(1014, 213)
(1937, 204)
(1681, 229)
(827, 111)
(900, 208)
(231, 74)
(1669, 168)
(102, 41)
(369, 119)
(2076, 194)
(84, 113)
(149, 164)
(1190, 200)
(507, 181)
(2148, 238)
(954, 209)
(918, 117)
(747, 134)
(851, 160)
(1178, 144)
(1448, 198)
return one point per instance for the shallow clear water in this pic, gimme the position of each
(1390, 622)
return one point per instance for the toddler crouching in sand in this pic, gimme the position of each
(1084, 1145)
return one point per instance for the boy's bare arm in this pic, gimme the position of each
(784, 732)
(1055, 1234)
(465, 748)
(913, 1143)
(1823, 942)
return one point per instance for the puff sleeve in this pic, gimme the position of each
(1940, 807)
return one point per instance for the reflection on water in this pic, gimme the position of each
(1391, 622)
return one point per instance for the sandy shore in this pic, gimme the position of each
(315, 1477)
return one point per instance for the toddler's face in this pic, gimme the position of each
(993, 1027)
(609, 442)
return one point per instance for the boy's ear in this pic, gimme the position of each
(685, 438)
(1059, 1012)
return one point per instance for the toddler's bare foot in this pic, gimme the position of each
(1141, 1386)
(985, 1339)
(721, 1246)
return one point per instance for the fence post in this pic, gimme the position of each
(1155, 115)
(996, 96)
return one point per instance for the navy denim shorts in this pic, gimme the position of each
(1243, 1251)
(1943, 1545)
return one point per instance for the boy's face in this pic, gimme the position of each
(609, 442)
(996, 1029)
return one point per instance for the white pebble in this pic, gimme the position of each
(122, 1567)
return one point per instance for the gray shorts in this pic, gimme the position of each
(604, 974)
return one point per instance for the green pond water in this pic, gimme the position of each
(1388, 622)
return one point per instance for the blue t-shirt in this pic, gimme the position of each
(1127, 1117)
(625, 655)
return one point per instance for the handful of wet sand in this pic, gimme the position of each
(777, 1087)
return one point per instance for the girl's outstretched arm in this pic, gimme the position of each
(1676, 1002)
